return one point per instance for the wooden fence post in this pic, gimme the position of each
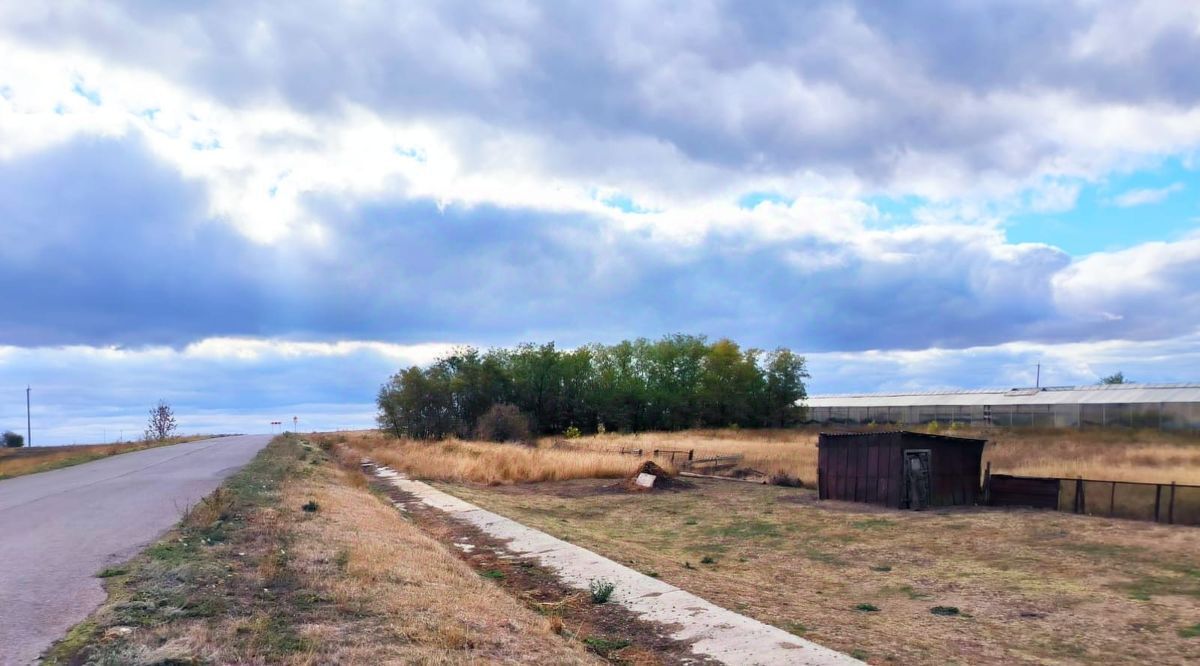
(1082, 496)
(691, 454)
(1171, 506)
(1112, 499)
(1157, 499)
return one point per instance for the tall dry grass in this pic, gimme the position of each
(1117, 455)
(479, 462)
(793, 452)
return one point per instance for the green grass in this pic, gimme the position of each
(605, 646)
(866, 608)
(493, 574)
(1190, 632)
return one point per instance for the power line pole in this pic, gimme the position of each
(28, 428)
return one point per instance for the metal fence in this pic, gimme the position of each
(1169, 503)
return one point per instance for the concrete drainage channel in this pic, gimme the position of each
(711, 630)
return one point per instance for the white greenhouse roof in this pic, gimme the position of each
(1047, 395)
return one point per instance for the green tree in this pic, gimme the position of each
(12, 440)
(1116, 378)
(417, 404)
(732, 385)
(785, 375)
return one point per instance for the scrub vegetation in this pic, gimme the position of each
(487, 463)
(249, 576)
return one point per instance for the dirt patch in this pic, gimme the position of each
(607, 629)
(663, 480)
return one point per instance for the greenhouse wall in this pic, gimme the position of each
(1180, 416)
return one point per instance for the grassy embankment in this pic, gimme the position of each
(294, 561)
(22, 461)
(1015, 586)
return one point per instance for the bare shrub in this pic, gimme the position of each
(502, 423)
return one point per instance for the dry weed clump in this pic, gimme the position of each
(487, 463)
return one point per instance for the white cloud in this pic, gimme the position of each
(1142, 197)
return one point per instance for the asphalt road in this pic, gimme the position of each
(59, 528)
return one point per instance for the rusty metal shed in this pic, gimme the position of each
(899, 469)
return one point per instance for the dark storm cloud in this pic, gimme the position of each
(100, 244)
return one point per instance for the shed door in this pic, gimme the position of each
(916, 478)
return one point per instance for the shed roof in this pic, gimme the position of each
(907, 433)
(1046, 395)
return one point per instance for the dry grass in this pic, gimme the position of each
(22, 461)
(1117, 455)
(251, 578)
(492, 464)
(1031, 587)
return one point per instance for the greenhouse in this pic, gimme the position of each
(1160, 406)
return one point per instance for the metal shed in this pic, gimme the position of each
(899, 469)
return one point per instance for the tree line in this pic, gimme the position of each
(680, 381)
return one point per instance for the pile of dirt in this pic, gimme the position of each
(663, 480)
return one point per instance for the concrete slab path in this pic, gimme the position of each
(713, 631)
(58, 529)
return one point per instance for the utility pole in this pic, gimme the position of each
(28, 428)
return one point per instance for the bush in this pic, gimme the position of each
(572, 433)
(502, 423)
(601, 590)
(13, 441)
(787, 480)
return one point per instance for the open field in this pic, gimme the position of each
(1016, 586)
(1116, 455)
(252, 576)
(21, 461)
(480, 462)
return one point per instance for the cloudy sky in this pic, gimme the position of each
(258, 210)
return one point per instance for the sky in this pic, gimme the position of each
(259, 210)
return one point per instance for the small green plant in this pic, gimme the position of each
(708, 559)
(605, 646)
(859, 654)
(494, 574)
(310, 507)
(1190, 632)
(652, 574)
(867, 608)
(112, 571)
(601, 590)
(947, 611)
(881, 568)
(572, 433)
(795, 628)
(934, 426)
(600, 429)
(690, 521)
